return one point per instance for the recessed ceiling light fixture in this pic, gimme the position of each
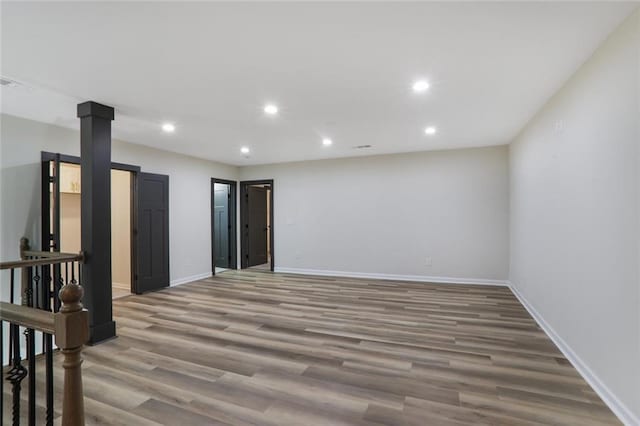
(270, 109)
(168, 128)
(430, 130)
(420, 86)
(327, 142)
(245, 150)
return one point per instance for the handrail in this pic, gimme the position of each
(28, 317)
(69, 326)
(43, 254)
(44, 257)
(53, 260)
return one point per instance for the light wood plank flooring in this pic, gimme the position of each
(119, 290)
(258, 348)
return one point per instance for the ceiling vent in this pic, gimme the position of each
(362, 146)
(7, 82)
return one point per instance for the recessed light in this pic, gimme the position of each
(244, 150)
(430, 130)
(270, 109)
(327, 142)
(420, 86)
(168, 127)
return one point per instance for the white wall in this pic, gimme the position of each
(70, 223)
(21, 142)
(121, 227)
(387, 214)
(575, 230)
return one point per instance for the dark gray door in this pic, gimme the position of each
(222, 227)
(51, 203)
(257, 225)
(152, 270)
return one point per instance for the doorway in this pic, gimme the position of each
(139, 201)
(256, 212)
(65, 220)
(223, 225)
(121, 230)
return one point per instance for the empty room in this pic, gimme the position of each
(320, 213)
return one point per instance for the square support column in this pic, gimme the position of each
(95, 153)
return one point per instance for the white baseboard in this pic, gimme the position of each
(374, 276)
(624, 414)
(192, 278)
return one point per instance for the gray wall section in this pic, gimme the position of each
(575, 194)
(388, 214)
(21, 142)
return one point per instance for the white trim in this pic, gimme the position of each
(624, 414)
(192, 278)
(417, 278)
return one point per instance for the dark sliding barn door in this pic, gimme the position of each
(257, 225)
(152, 232)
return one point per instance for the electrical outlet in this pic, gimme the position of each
(427, 261)
(559, 126)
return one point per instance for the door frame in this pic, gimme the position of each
(244, 215)
(45, 157)
(233, 220)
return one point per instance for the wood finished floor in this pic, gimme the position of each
(119, 290)
(259, 348)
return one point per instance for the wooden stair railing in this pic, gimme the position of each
(50, 303)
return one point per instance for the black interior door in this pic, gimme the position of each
(50, 241)
(152, 236)
(50, 202)
(257, 225)
(222, 225)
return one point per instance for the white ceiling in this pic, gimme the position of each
(338, 70)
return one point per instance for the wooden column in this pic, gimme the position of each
(72, 331)
(95, 152)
